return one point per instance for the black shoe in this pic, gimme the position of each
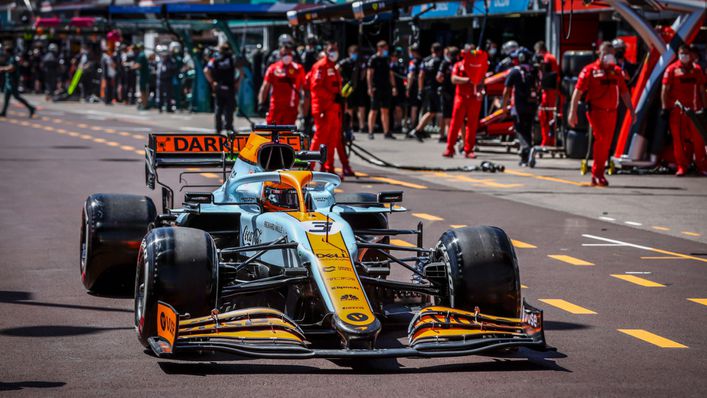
(32, 111)
(389, 136)
(3, 115)
(371, 136)
(442, 138)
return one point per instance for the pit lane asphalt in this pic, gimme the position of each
(58, 340)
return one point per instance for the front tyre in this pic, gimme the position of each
(482, 271)
(179, 266)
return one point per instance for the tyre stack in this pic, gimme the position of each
(576, 138)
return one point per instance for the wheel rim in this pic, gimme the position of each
(84, 244)
(140, 292)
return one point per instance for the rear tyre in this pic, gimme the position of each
(481, 269)
(112, 226)
(179, 266)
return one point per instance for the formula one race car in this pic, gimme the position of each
(273, 264)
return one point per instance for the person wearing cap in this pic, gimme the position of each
(467, 77)
(522, 84)
(283, 82)
(684, 82)
(12, 84)
(324, 87)
(381, 89)
(549, 99)
(602, 83)
(310, 53)
(427, 79)
(628, 67)
(220, 72)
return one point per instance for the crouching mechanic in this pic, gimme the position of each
(467, 76)
(602, 83)
(324, 84)
(683, 81)
(283, 81)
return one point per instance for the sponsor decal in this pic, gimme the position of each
(251, 237)
(321, 227)
(203, 143)
(531, 319)
(329, 268)
(357, 317)
(166, 323)
(349, 297)
(333, 256)
(274, 227)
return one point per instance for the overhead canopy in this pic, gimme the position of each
(204, 11)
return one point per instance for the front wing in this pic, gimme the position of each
(268, 333)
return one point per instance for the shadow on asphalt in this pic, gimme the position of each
(385, 366)
(55, 331)
(16, 297)
(21, 385)
(555, 325)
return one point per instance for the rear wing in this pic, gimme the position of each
(188, 150)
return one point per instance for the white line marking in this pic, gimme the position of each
(607, 218)
(637, 224)
(197, 129)
(602, 244)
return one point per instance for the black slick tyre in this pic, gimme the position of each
(112, 226)
(481, 269)
(179, 266)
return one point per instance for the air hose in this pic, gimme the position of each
(364, 154)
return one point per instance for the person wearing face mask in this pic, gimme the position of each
(283, 82)
(467, 76)
(602, 83)
(446, 89)
(381, 89)
(628, 67)
(221, 74)
(683, 81)
(324, 87)
(353, 74)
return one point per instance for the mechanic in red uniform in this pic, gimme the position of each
(467, 75)
(603, 83)
(283, 82)
(324, 86)
(548, 102)
(684, 81)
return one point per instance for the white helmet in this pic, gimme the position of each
(175, 47)
(508, 47)
(161, 49)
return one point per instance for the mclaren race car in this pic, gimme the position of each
(272, 263)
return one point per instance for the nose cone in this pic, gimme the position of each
(355, 336)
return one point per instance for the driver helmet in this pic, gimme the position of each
(284, 40)
(279, 197)
(508, 47)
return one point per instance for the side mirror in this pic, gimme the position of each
(390, 197)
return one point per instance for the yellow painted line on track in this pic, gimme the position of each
(127, 148)
(400, 242)
(112, 143)
(74, 134)
(140, 151)
(522, 286)
(702, 301)
(99, 140)
(569, 307)
(57, 120)
(457, 226)
(569, 259)
(637, 280)
(688, 233)
(82, 125)
(662, 258)
(138, 136)
(547, 178)
(392, 181)
(96, 128)
(652, 338)
(522, 245)
(86, 137)
(338, 190)
(428, 217)
(124, 133)
(657, 228)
